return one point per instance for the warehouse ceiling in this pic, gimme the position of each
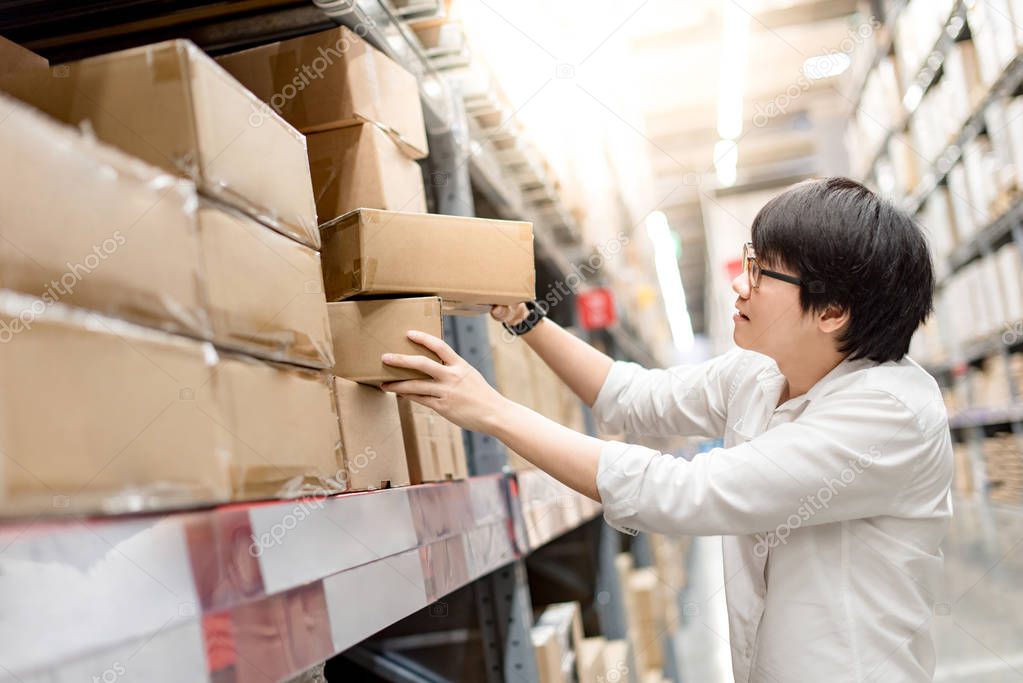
(790, 125)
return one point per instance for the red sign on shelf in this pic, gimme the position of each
(733, 267)
(596, 308)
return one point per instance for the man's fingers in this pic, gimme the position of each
(435, 344)
(414, 362)
(512, 315)
(428, 401)
(411, 387)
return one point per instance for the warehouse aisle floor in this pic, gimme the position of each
(978, 623)
(979, 630)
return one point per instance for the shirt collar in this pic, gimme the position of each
(771, 381)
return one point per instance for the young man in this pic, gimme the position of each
(832, 489)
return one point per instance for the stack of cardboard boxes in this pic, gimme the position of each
(166, 327)
(563, 655)
(651, 603)
(651, 597)
(359, 109)
(163, 299)
(522, 376)
(388, 266)
(1004, 467)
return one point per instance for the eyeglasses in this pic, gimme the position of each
(752, 268)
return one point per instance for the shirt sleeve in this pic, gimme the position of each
(686, 400)
(861, 455)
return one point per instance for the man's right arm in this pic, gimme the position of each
(579, 365)
(625, 397)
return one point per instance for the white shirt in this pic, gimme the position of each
(832, 505)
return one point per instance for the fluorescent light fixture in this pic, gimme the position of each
(912, 99)
(732, 79)
(726, 162)
(670, 280)
(826, 66)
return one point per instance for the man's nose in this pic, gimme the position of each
(740, 285)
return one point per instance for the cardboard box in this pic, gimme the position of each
(523, 377)
(149, 420)
(84, 224)
(646, 627)
(172, 106)
(471, 263)
(549, 654)
(512, 365)
(566, 618)
(264, 291)
(618, 660)
(589, 658)
(333, 79)
(101, 415)
(364, 330)
(14, 57)
(431, 444)
(283, 428)
(372, 443)
(359, 167)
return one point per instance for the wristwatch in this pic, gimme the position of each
(536, 314)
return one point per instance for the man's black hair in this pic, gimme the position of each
(856, 251)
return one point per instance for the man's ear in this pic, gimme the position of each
(832, 319)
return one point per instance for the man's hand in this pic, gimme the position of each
(454, 389)
(510, 315)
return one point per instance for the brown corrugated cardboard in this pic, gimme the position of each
(470, 262)
(100, 414)
(84, 224)
(616, 658)
(360, 167)
(172, 106)
(264, 291)
(644, 617)
(150, 420)
(374, 450)
(428, 444)
(363, 331)
(459, 463)
(283, 427)
(145, 248)
(589, 660)
(333, 79)
(548, 652)
(14, 57)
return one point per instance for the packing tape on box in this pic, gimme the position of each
(365, 272)
(162, 68)
(275, 480)
(407, 148)
(288, 346)
(329, 167)
(299, 229)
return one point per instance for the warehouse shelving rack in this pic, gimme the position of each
(925, 75)
(216, 590)
(264, 591)
(975, 422)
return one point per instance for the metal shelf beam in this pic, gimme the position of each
(260, 591)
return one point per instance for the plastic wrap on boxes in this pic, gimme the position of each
(101, 415)
(89, 226)
(172, 106)
(264, 291)
(352, 82)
